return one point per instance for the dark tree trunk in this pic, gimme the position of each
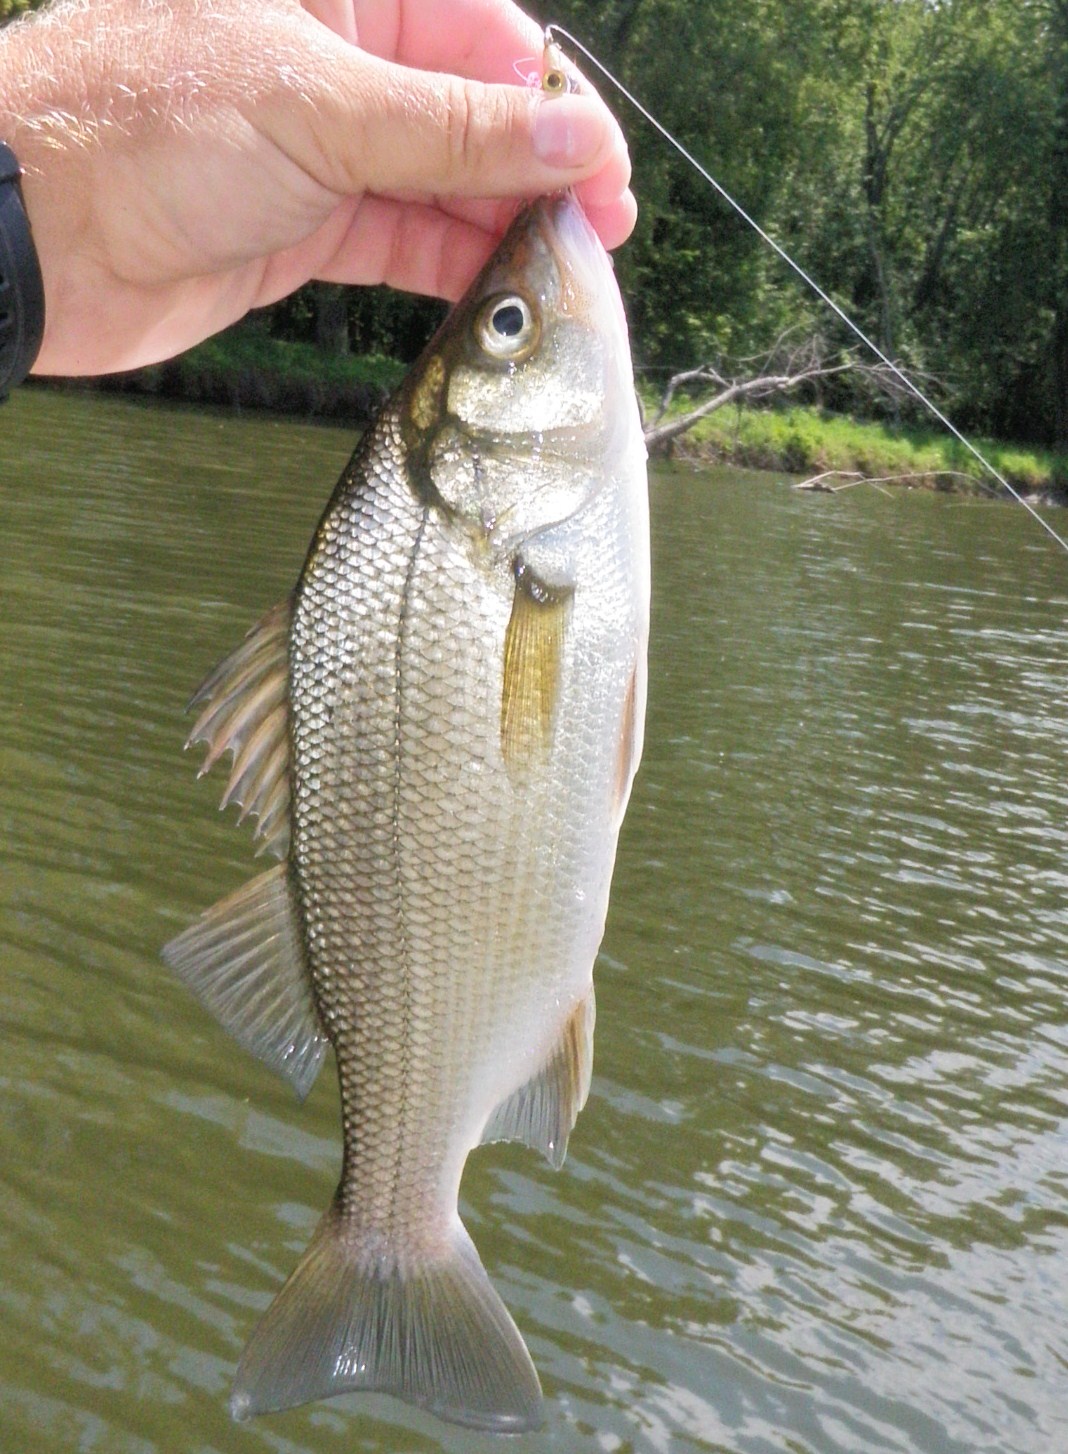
(331, 319)
(871, 288)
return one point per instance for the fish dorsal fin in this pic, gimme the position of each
(542, 1112)
(245, 710)
(244, 960)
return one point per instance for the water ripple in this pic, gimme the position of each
(818, 1201)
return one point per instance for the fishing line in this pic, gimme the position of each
(912, 388)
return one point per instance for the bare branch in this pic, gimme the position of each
(658, 434)
(817, 484)
(702, 375)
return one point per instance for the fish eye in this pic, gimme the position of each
(507, 328)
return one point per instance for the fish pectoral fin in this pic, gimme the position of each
(245, 711)
(533, 649)
(542, 1112)
(427, 1327)
(244, 960)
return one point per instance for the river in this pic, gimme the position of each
(818, 1202)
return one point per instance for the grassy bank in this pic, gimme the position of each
(248, 369)
(810, 442)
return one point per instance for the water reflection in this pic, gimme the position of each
(817, 1201)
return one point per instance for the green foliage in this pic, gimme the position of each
(12, 9)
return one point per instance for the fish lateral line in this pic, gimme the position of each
(554, 31)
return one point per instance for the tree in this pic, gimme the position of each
(726, 77)
(1057, 30)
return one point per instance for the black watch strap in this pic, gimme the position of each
(22, 308)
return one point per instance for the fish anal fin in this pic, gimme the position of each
(533, 649)
(427, 1328)
(244, 710)
(244, 960)
(542, 1112)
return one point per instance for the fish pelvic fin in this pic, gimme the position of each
(357, 1316)
(244, 710)
(244, 960)
(543, 1112)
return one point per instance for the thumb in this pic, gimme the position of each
(379, 127)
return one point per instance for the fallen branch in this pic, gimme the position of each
(817, 484)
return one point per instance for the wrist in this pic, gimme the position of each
(22, 303)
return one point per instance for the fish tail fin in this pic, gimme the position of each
(357, 1315)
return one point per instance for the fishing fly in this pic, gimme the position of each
(553, 63)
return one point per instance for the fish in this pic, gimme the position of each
(436, 734)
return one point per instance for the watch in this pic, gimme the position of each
(22, 304)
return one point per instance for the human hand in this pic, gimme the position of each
(185, 163)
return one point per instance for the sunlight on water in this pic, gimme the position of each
(818, 1201)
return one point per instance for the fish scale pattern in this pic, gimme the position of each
(452, 908)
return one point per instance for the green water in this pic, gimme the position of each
(818, 1202)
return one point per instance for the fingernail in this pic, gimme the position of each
(567, 131)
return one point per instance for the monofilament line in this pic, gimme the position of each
(839, 312)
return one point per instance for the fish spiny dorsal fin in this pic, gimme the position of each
(245, 711)
(542, 1113)
(244, 960)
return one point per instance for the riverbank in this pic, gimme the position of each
(811, 442)
(245, 368)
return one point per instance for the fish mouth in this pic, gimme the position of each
(589, 294)
(587, 277)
